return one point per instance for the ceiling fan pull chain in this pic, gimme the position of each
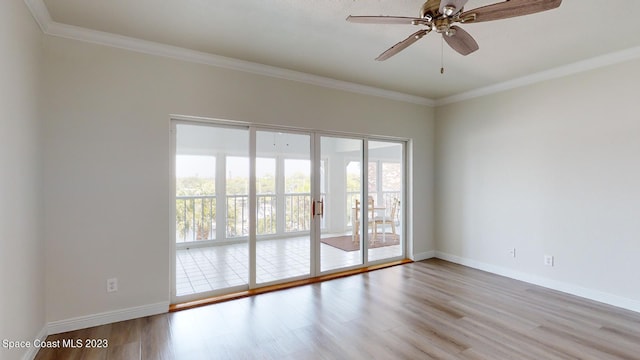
(442, 55)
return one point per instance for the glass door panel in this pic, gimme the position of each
(211, 207)
(341, 177)
(237, 196)
(266, 198)
(283, 206)
(195, 198)
(225, 240)
(386, 192)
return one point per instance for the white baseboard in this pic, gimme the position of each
(568, 288)
(83, 322)
(423, 256)
(33, 351)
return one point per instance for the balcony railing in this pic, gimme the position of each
(237, 216)
(196, 216)
(297, 212)
(267, 210)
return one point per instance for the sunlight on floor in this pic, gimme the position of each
(204, 269)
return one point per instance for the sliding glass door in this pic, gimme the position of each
(283, 206)
(341, 241)
(257, 206)
(211, 209)
(386, 189)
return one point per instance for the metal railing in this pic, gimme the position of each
(237, 216)
(297, 212)
(196, 216)
(266, 210)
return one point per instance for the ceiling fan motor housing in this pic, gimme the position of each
(442, 25)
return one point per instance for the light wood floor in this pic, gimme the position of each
(422, 310)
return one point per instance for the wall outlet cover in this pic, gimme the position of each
(112, 284)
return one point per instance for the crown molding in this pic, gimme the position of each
(41, 14)
(555, 73)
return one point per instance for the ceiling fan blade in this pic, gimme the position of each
(402, 20)
(461, 41)
(402, 44)
(457, 4)
(507, 9)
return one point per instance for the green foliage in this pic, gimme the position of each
(237, 186)
(266, 184)
(189, 186)
(297, 213)
(196, 206)
(297, 183)
(354, 182)
(195, 217)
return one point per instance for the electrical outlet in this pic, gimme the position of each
(112, 284)
(548, 260)
(512, 252)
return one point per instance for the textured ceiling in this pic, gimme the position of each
(312, 36)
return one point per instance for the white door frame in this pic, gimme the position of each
(315, 158)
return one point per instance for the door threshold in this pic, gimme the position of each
(287, 285)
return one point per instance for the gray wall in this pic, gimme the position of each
(108, 160)
(22, 298)
(552, 168)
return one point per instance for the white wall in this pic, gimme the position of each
(108, 167)
(21, 217)
(552, 168)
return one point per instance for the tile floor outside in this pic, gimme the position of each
(204, 269)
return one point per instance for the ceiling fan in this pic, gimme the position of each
(441, 15)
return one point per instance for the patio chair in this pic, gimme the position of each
(356, 219)
(384, 220)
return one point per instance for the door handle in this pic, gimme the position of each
(317, 210)
(321, 211)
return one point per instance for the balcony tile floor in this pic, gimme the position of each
(206, 269)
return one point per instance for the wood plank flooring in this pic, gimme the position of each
(423, 310)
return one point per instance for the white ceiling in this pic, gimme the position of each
(312, 36)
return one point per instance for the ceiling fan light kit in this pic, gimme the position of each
(449, 10)
(442, 15)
